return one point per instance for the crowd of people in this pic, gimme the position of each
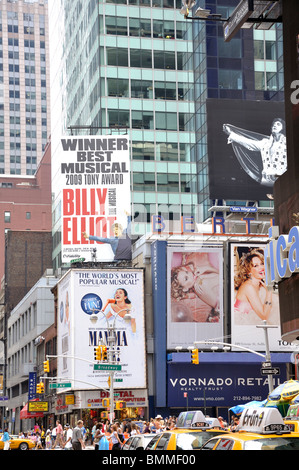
(102, 435)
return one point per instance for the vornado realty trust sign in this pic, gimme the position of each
(218, 384)
(197, 383)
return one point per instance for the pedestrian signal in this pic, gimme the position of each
(120, 405)
(98, 353)
(194, 356)
(104, 415)
(105, 403)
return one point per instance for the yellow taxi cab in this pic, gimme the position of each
(193, 429)
(17, 443)
(258, 429)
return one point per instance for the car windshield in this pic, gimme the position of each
(273, 443)
(191, 440)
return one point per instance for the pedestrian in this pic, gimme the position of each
(59, 435)
(6, 440)
(43, 438)
(53, 434)
(38, 442)
(93, 431)
(234, 423)
(68, 438)
(48, 440)
(99, 433)
(116, 442)
(77, 440)
(135, 429)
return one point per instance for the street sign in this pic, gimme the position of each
(118, 380)
(239, 16)
(60, 385)
(266, 364)
(3, 398)
(106, 367)
(273, 371)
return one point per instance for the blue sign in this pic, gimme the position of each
(32, 386)
(91, 303)
(217, 385)
(281, 255)
(242, 209)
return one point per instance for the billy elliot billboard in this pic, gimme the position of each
(95, 177)
(246, 147)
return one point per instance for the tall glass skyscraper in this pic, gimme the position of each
(140, 65)
(24, 85)
(129, 64)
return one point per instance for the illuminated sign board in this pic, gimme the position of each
(35, 406)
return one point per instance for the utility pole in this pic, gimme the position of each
(268, 355)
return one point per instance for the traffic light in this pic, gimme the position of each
(120, 405)
(98, 353)
(104, 353)
(46, 366)
(109, 381)
(40, 388)
(105, 403)
(194, 356)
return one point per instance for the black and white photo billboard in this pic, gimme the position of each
(246, 148)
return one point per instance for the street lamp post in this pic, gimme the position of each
(111, 349)
(266, 357)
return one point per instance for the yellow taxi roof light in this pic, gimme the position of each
(196, 419)
(262, 420)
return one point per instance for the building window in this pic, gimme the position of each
(7, 217)
(28, 215)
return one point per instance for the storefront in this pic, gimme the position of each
(88, 405)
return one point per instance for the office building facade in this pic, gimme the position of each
(129, 66)
(139, 66)
(24, 79)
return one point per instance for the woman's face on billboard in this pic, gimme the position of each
(185, 278)
(257, 268)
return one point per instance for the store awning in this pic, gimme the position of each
(24, 413)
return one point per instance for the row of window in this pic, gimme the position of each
(141, 27)
(150, 120)
(7, 215)
(145, 89)
(162, 151)
(12, 28)
(149, 59)
(27, 43)
(151, 3)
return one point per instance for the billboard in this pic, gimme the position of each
(95, 175)
(251, 301)
(246, 147)
(217, 384)
(194, 296)
(110, 294)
